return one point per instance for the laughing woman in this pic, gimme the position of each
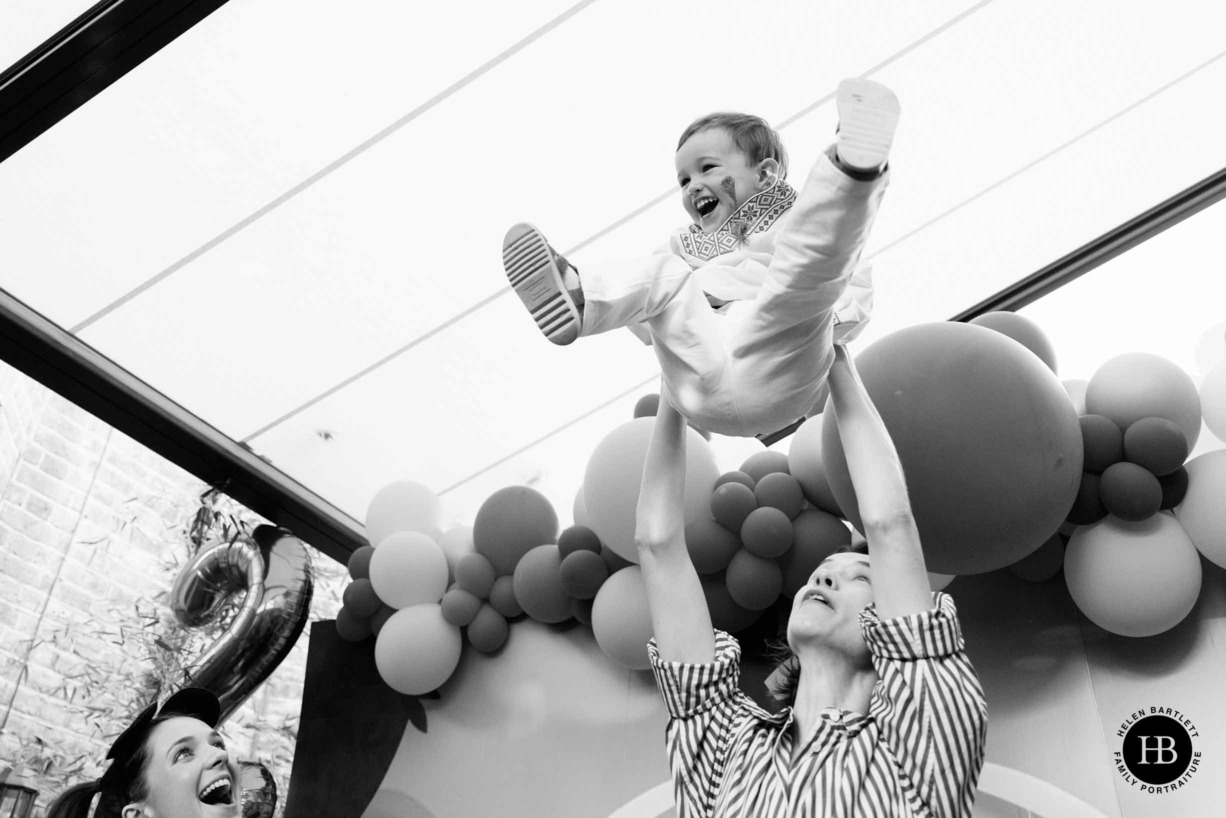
(884, 714)
(170, 763)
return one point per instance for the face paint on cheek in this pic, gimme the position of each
(728, 186)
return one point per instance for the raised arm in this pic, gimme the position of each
(900, 580)
(679, 614)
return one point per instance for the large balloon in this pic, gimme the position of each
(417, 650)
(805, 462)
(510, 523)
(408, 568)
(620, 621)
(403, 506)
(269, 574)
(615, 472)
(1141, 385)
(1133, 579)
(989, 441)
(1213, 399)
(1203, 510)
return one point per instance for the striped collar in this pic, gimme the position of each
(756, 215)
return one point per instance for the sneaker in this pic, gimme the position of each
(868, 115)
(538, 276)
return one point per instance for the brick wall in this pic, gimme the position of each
(91, 529)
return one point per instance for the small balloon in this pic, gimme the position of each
(459, 607)
(726, 613)
(767, 533)
(502, 597)
(380, 618)
(488, 630)
(475, 574)
(538, 585)
(1174, 488)
(582, 573)
(734, 477)
(711, 545)
(417, 650)
(1155, 444)
(403, 506)
(647, 406)
(753, 583)
(359, 562)
(1043, 564)
(1088, 505)
(581, 610)
(731, 504)
(816, 535)
(1130, 492)
(614, 560)
(761, 464)
(351, 628)
(408, 568)
(360, 598)
(578, 538)
(781, 491)
(1102, 441)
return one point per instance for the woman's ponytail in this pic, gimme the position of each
(75, 801)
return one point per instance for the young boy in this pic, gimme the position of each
(742, 306)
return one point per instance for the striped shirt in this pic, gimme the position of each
(918, 752)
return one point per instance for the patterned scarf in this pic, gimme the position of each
(757, 214)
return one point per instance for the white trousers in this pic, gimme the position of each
(757, 365)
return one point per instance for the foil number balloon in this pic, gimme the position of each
(272, 571)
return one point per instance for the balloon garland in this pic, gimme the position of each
(1092, 472)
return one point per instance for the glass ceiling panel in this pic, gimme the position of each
(289, 221)
(25, 28)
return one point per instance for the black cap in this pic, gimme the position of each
(194, 702)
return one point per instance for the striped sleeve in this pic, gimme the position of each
(703, 701)
(929, 703)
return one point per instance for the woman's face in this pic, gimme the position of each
(189, 773)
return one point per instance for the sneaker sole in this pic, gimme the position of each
(537, 280)
(868, 116)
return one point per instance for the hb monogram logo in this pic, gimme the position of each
(1157, 754)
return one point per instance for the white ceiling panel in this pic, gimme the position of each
(289, 220)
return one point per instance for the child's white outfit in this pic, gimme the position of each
(786, 263)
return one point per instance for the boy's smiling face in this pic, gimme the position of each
(716, 177)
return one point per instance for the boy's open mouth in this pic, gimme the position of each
(705, 205)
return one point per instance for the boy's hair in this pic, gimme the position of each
(784, 681)
(752, 135)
